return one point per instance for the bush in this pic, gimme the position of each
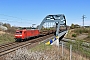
(72, 26)
(11, 30)
(74, 35)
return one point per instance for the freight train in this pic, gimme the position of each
(25, 34)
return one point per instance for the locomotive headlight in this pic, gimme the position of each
(20, 35)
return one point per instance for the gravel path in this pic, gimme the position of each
(82, 36)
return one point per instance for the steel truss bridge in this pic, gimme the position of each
(59, 20)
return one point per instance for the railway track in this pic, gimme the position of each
(10, 47)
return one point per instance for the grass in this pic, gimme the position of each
(79, 48)
(82, 30)
(88, 38)
(41, 47)
(6, 38)
(52, 51)
(74, 33)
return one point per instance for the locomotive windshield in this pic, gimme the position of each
(18, 32)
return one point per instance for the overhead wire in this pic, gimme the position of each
(8, 20)
(14, 17)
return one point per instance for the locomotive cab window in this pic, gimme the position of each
(19, 32)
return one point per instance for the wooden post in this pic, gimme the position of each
(70, 52)
(62, 49)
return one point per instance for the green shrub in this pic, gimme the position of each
(74, 35)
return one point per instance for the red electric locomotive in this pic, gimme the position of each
(22, 35)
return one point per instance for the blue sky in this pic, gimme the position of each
(28, 12)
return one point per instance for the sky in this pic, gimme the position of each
(28, 12)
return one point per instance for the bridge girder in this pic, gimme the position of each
(59, 19)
